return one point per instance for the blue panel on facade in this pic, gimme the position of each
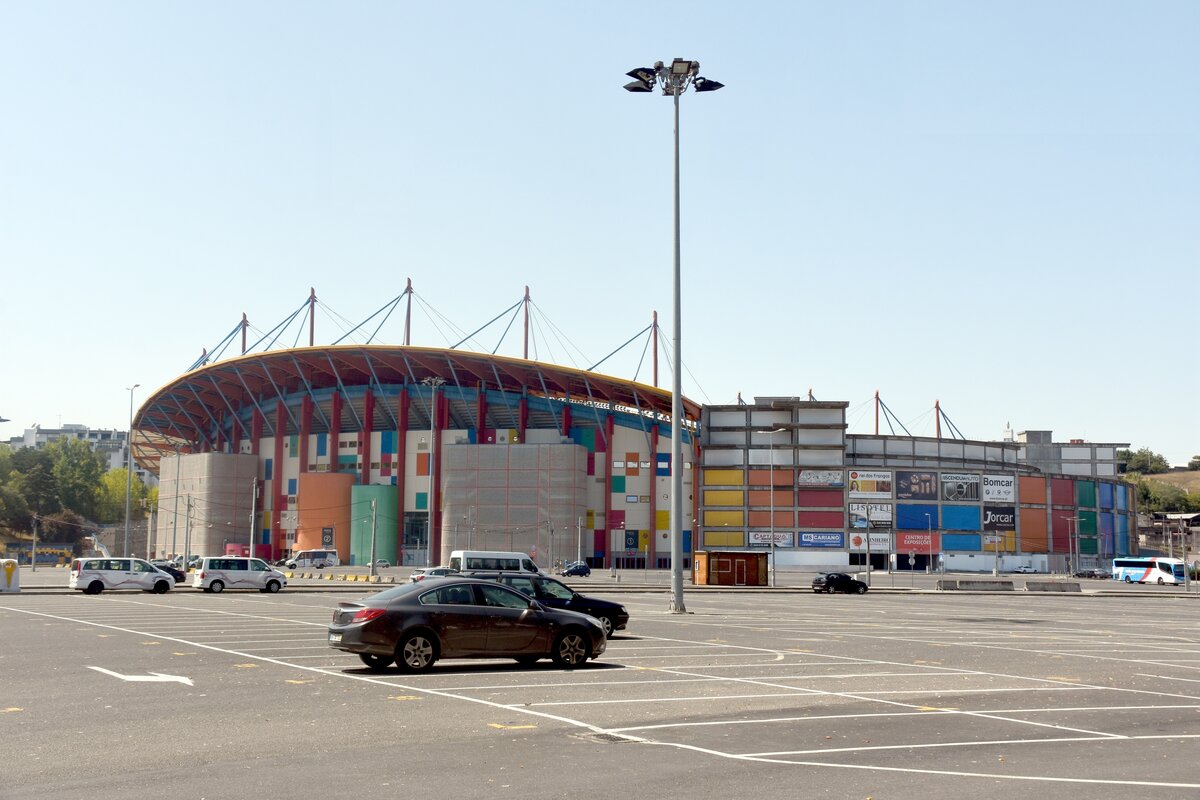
(662, 466)
(1122, 524)
(291, 486)
(268, 469)
(916, 516)
(961, 518)
(473, 435)
(387, 442)
(322, 444)
(1106, 495)
(1122, 548)
(968, 542)
(350, 460)
(1106, 523)
(687, 541)
(1122, 497)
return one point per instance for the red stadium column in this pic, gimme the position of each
(306, 414)
(367, 430)
(400, 465)
(608, 461)
(480, 412)
(522, 418)
(335, 430)
(278, 484)
(566, 420)
(652, 548)
(256, 429)
(435, 480)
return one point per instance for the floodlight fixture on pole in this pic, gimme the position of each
(128, 468)
(674, 81)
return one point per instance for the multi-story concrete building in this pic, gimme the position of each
(108, 443)
(1076, 457)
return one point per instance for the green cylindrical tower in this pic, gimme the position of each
(386, 509)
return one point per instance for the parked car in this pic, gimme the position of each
(838, 582)
(416, 624)
(94, 575)
(382, 563)
(421, 573)
(1024, 570)
(218, 573)
(1097, 574)
(175, 572)
(577, 569)
(556, 594)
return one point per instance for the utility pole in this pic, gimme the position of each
(253, 511)
(373, 530)
(33, 551)
(187, 535)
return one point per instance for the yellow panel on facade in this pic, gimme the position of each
(662, 520)
(717, 518)
(723, 497)
(723, 477)
(724, 539)
(644, 541)
(590, 521)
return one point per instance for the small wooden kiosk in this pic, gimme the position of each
(729, 568)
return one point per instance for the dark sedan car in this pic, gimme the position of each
(556, 594)
(577, 569)
(416, 624)
(175, 572)
(838, 582)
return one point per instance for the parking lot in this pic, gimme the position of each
(882, 695)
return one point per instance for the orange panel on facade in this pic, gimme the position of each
(762, 519)
(1032, 489)
(323, 501)
(762, 497)
(763, 477)
(1033, 529)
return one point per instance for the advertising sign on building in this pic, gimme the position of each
(999, 488)
(822, 477)
(960, 486)
(326, 537)
(999, 518)
(831, 539)
(880, 542)
(868, 485)
(880, 515)
(763, 539)
(917, 542)
(916, 485)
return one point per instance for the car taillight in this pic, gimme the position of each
(367, 614)
(201, 574)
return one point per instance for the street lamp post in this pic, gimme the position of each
(128, 468)
(929, 528)
(1073, 544)
(771, 487)
(433, 383)
(674, 81)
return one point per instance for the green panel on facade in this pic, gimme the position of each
(1087, 523)
(618, 484)
(1088, 546)
(294, 446)
(386, 526)
(1085, 493)
(422, 501)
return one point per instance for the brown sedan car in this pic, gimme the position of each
(416, 624)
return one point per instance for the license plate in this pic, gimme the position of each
(335, 638)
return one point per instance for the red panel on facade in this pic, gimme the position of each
(822, 519)
(1061, 528)
(918, 542)
(1062, 492)
(819, 498)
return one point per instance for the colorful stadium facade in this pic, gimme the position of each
(353, 447)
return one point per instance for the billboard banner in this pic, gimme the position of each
(960, 486)
(822, 477)
(918, 542)
(831, 539)
(916, 485)
(999, 518)
(326, 537)
(999, 488)
(869, 485)
(880, 542)
(880, 515)
(763, 539)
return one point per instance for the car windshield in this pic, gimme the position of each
(553, 588)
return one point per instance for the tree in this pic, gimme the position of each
(77, 470)
(65, 527)
(1145, 461)
(110, 505)
(14, 511)
(33, 477)
(1194, 464)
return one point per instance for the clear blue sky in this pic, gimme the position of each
(991, 204)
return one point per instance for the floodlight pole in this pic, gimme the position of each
(674, 80)
(128, 469)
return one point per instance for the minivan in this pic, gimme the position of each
(492, 560)
(218, 573)
(94, 575)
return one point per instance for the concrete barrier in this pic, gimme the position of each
(1052, 586)
(947, 585)
(985, 586)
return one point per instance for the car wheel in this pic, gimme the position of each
(861, 588)
(273, 587)
(374, 662)
(1128, 579)
(95, 587)
(1161, 581)
(527, 661)
(216, 586)
(570, 649)
(416, 652)
(610, 626)
(161, 587)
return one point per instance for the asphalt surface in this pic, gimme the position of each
(785, 694)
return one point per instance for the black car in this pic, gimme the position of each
(1096, 574)
(577, 569)
(556, 594)
(415, 624)
(838, 582)
(175, 572)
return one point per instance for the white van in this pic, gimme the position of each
(94, 575)
(463, 560)
(313, 558)
(218, 573)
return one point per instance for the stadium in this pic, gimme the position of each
(405, 453)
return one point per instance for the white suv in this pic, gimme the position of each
(94, 575)
(217, 573)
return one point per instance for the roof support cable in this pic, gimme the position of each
(953, 428)
(282, 325)
(486, 324)
(592, 368)
(567, 344)
(642, 360)
(516, 310)
(204, 359)
(389, 307)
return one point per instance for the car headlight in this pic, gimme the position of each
(623, 610)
